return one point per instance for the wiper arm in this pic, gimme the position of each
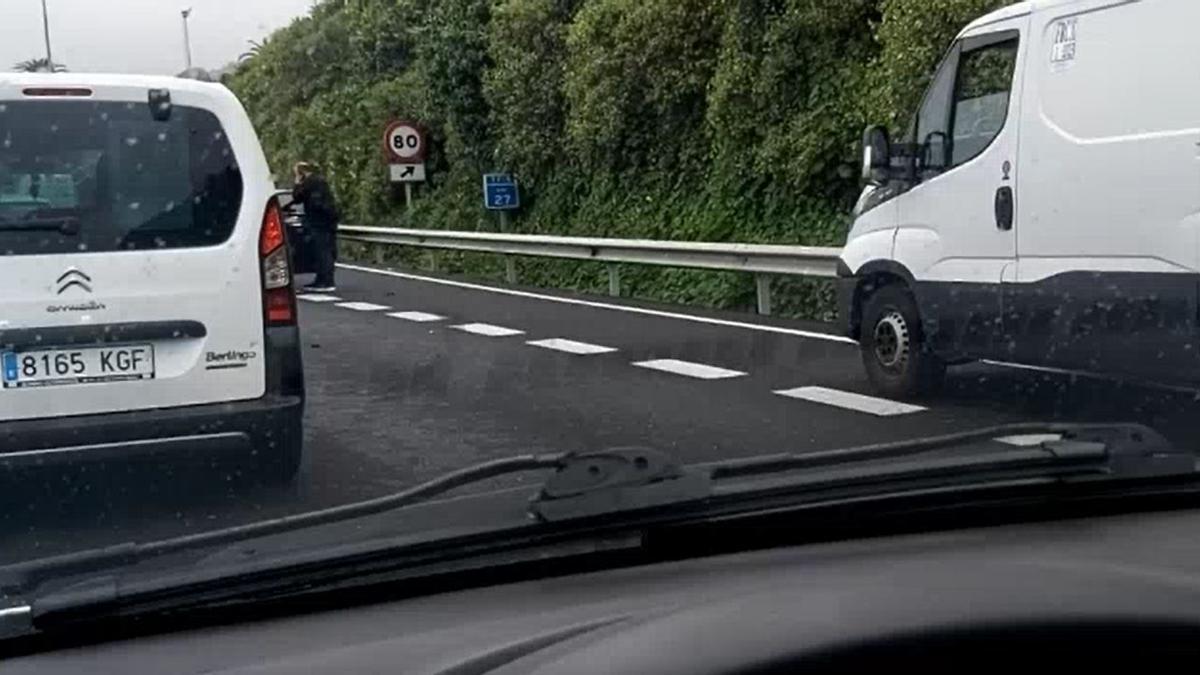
(67, 226)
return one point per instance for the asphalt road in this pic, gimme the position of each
(411, 376)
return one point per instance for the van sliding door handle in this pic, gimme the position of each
(1004, 208)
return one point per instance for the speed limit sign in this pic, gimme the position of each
(404, 142)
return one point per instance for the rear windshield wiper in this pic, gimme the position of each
(67, 226)
(627, 481)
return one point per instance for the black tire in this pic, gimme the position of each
(897, 359)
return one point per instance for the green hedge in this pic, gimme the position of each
(720, 120)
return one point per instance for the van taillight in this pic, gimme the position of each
(279, 300)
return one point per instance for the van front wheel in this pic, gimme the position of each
(894, 352)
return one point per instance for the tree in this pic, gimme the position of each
(256, 48)
(42, 65)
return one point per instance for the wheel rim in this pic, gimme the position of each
(892, 344)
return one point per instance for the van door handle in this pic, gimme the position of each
(1004, 208)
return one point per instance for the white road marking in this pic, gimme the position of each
(697, 370)
(363, 306)
(488, 330)
(419, 317)
(1029, 440)
(605, 305)
(851, 401)
(571, 346)
(814, 335)
(317, 297)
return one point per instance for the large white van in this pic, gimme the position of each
(1044, 207)
(146, 301)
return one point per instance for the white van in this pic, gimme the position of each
(1044, 207)
(146, 301)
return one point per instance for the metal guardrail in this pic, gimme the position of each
(762, 260)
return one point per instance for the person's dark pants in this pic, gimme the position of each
(324, 243)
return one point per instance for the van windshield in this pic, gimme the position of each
(101, 176)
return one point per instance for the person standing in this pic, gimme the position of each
(320, 221)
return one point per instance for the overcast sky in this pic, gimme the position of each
(138, 36)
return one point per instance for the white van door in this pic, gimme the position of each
(957, 229)
(130, 247)
(1110, 169)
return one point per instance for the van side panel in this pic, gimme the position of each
(1109, 205)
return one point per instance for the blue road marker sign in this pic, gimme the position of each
(500, 192)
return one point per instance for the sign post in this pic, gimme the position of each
(500, 193)
(405, 148)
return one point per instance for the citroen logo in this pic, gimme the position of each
(73, 278)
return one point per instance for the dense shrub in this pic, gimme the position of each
(731, 120)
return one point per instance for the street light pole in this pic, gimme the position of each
(187, 39)
(46, 32)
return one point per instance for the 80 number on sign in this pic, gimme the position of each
(405, 142)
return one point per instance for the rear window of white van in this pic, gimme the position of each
(87, 176)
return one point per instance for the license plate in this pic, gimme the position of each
(78, 366)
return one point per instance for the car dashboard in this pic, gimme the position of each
(1114, 590)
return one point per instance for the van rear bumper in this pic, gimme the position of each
(240, 429)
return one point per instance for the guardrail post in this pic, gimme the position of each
(614, 281)
(433, 260)
(762, 283)
(510, 269)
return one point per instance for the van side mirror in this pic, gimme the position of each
(935, 152)
(877, 155)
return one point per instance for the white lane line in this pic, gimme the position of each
(605, 305)
(851, 401)
(571, 346)
(363, 306)
(419, 317)
(828, 337)
(317, 297)
(697, 370)
(1029, 440)
(488, 330)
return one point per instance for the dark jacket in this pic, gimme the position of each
(320, 207)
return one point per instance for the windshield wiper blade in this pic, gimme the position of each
(1130, 447)
(28, 574)
(629, 482)
(634, 479)
(67, 226)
